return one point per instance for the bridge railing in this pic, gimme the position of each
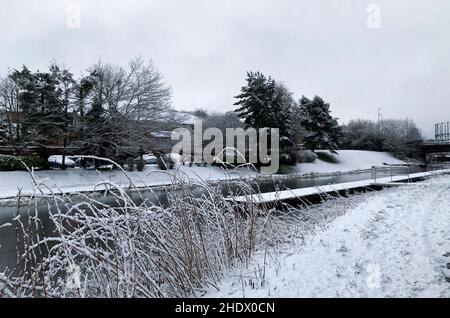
(436, 141)
(438, 166)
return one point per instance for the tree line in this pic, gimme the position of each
(267, 103)
(108, 112)
(111, 111)
(397, 136)
(308, 123)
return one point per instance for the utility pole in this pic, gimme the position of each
(380, 120)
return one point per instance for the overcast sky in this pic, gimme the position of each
(205, 47)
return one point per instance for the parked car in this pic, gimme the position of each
(175, 158)
(150, 159)
(90, 164)
(55, 162)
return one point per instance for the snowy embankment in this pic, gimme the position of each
(79, 180)
(349, 160)
(72, 180)
(390, 245)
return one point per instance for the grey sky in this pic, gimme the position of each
(205, 47)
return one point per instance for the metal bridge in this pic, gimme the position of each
(441, 143)
(435, 146)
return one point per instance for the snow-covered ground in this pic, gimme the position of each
(390, 245)
(350, 160)
(72, 180)
(85, 180)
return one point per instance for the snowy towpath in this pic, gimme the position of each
(390, 246)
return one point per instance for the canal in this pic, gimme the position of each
(159, 196)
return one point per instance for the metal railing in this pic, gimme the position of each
(438, 166)
(391, 171)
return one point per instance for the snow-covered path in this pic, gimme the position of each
(390, 246)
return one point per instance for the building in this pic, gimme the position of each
(442, 131)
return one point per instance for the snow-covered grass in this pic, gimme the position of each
(377, 244)
(73, 180)
(349, 160)
(391, 244)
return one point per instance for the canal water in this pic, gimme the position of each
(8, 237)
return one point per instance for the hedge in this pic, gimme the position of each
(11, 163)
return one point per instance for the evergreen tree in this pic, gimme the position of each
(282, 113)
(65, 90)
(322, 131)
(4, 133)
(96, 130)
(266, 104)
(25, 84)
(256, 101)
(41, 110)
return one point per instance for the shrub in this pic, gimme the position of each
(289, 158)
(130, 164)
(327, 157)
(35, 162)
(306, 156)
(12, 163)
(140, 164)
(121, 163)
(8, 163)
(165, 162)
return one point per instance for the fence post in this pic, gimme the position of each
(408, 175)
(374, 173)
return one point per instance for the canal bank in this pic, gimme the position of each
(42, 203)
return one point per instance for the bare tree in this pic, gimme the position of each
(10, 110)
(143, 94)
(400, 136)
(222, 121)
(126, 105)
(113, 109)
(362, 134)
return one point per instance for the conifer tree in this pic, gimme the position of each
(264, 103)
(322, 130)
